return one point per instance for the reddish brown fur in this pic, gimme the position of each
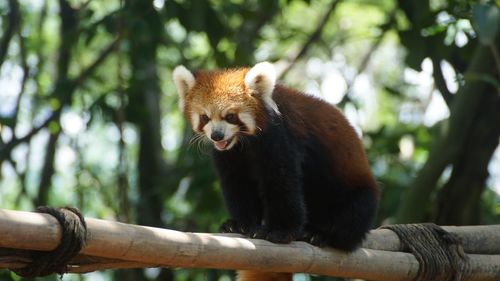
(305, 114)
(309, 115)
(224, 90)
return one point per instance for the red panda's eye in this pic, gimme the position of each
(204, 118)
(231, 118)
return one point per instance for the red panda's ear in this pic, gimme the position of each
(261, 79)
(184, 81)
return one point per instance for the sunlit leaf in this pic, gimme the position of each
(54, 127)
(54, 104)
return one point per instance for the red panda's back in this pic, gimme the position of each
(310, 116)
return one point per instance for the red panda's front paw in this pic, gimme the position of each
(314, 238)
(275, 236)
(230, 226)
(234, 226)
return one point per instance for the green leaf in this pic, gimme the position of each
(54, 104)
(54, 127)
(6, 121)
(486, 21)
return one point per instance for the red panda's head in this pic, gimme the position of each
(225, 105)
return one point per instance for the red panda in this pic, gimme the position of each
(290, 165)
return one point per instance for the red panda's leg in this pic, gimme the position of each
(277, 162)
(239, 191)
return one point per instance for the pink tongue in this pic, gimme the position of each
(220, 144)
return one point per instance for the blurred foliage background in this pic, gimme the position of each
(89, 117)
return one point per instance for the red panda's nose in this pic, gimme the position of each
(217, 135)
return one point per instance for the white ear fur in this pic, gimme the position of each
(184, 81)
(261, 79)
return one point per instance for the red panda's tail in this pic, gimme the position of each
(247, 275)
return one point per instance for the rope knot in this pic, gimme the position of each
(73, 237)
(439, 253)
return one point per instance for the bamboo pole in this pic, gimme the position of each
(478, 239)
(127, 246)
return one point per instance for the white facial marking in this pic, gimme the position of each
(184, 81)
(195, 121)
(248, 120)
(261, 79)
(207, 129)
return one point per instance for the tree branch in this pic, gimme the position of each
(440, 82)
(47, 169)
(312, 38)
(122, 179)
(72, 84)
(39, 51)
(248, 32)
(63, 92)
(366, 59)
(6, 149)
(22, 178)
(94, 65)
(12, 26)
(26, 71)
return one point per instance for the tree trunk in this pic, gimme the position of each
(47, 170)
(458, 200)
(144, 107)
(10, 30)
(144, 30)
(453, 141)
(62, 92)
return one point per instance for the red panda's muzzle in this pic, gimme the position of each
(226, 144)
(221, 145)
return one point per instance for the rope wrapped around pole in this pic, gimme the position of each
(73, 236)
(439, 253)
